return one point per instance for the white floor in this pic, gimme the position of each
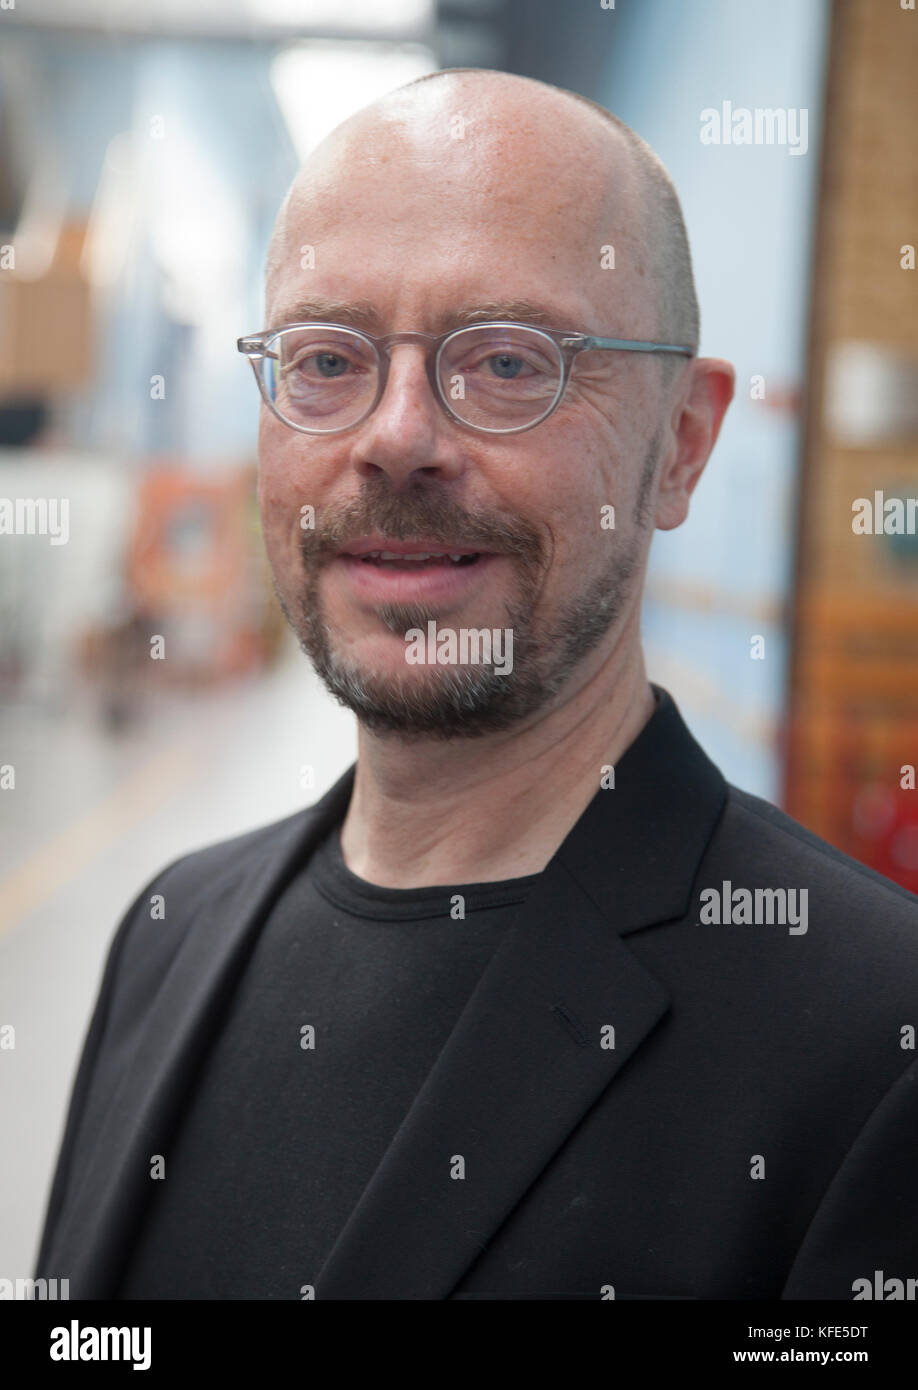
(91, 819)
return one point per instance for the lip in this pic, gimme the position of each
(441, 584)
(421, 547)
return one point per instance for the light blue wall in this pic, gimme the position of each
(749, 212)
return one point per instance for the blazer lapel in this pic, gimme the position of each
(94, 1239)
(525, 1060)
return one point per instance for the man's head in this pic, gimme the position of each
(477, 193)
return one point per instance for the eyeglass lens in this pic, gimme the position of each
(326, 379)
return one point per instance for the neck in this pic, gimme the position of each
(479, 810)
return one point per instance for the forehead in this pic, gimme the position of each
(509, 205)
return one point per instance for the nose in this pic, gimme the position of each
(409, 434)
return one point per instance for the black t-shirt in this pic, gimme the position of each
(279, 1139)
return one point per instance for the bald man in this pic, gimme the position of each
(532, 1003)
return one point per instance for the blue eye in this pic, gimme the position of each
(330, 364)
(505, 365)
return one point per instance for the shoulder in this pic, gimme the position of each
(858, 919)
(813, 951)
(217, 867)
(213, 883)
(770, 836)
(205, 882)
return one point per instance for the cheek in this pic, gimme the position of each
(271, 472)
(275, 507)
(275, 496)
(282, 476)
(581, 483)
(279, 504)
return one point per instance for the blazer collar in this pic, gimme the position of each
(521, 1067)
(637, 846)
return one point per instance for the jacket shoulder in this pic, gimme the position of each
(770, 838)
(207, 883)
(213, 865)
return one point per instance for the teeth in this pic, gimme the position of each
(424, 555)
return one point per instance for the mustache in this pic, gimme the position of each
(419, 513)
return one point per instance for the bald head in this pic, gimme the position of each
(555, 155)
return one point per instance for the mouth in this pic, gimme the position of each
(387, 559)
(410, 555)
(379, 568)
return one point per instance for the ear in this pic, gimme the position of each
(694, 427)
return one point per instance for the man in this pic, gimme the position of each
(531, 1004)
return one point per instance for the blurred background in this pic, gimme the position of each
(145, 146)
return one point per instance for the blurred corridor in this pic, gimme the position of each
(144, 151)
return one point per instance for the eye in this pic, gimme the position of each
(329, 364)
(311, 359)
(323, 365)
(506, 365)
(504, 361)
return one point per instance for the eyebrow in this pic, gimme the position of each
(357, 314)
(522, 310)
(363, 314)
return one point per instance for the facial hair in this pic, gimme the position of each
(460, 701)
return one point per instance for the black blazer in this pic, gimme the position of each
(752, 1133)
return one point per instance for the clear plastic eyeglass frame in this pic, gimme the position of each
(566, 345)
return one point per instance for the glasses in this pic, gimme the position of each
(502, 377)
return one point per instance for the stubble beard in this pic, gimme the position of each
(459, 701)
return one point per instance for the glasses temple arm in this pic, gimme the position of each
(632, 345)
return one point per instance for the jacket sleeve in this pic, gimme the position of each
(84, 1075)
(866, 1226)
